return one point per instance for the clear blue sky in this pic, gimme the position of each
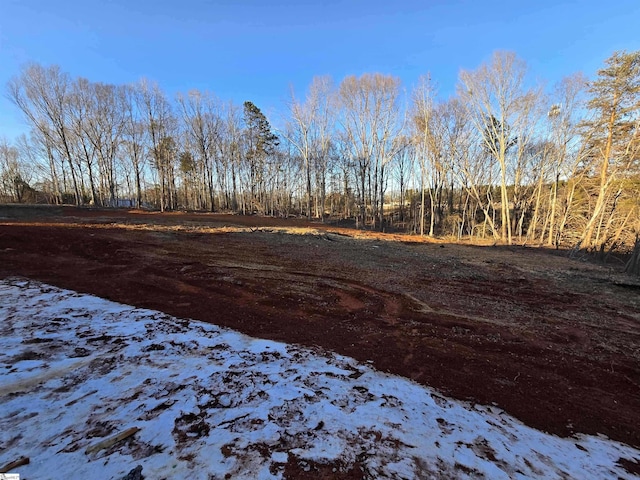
(256, 49)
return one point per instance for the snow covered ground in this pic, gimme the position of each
(210, 402)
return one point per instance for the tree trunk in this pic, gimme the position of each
(604, 181)
(633, 265)
(422, 200)
(308, 172)
(552, 218)
(504, 208)
(432, 220)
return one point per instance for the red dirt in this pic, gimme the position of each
(552, 341)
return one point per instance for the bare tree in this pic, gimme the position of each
(80, 111)
(498, 104)
(201, 118)
(310, 131)
(564, 153)
(134, 135)
(370, 119)
(160, 125)
(403, 163)
(42, 94)
(429, 137)
(15, 174)
(44, 161)
(105, 130)
(470, 165)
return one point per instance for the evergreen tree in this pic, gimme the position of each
(611, 134)
(260, 143)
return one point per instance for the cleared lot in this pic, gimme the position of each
(552, 341)
(96, 389)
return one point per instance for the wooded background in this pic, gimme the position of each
(501, 159)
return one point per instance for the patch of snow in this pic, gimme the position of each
(211, 402)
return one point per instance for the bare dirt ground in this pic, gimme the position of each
(553, 341)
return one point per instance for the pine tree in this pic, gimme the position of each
(260, 142)
(612, 132)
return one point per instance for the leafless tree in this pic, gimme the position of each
(203, 124)
(498, 104)
(370, 119)
(429, 138)
(134, 133)
(309, 130)
(160, 125)
(564, 153)
(15, 173)
(42, 94)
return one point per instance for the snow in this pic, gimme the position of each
(211, 402)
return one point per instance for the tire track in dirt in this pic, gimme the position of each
(411, 310)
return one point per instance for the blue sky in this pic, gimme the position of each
(256, 50)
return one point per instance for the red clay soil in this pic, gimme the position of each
(553, 341)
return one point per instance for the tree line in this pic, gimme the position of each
(500, 159)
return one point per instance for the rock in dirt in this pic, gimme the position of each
(135, 474)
